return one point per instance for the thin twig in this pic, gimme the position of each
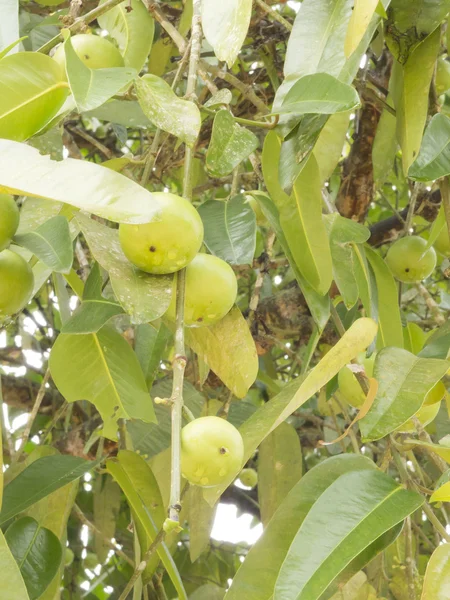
(159, 16)
(273, 13)
(429, 301)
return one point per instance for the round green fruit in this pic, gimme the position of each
(68, 557)
(167, 245)
(91, 561)
(348, 384)
(442, 242)
(9, 220)
(249, 478)
(409, 260)
(442, 76)
(436, 394)
(426, 415)
(94, 51)
(16, 283)
(212, 449)
(211, 290)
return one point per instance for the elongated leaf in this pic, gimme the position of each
(257, 576)
(441, 494)
(123, 112)
(166, 110)
(328, 148)
(150, 344)
(359, 21)
(40, 479)
(384, 145)
(279, 468)
(51, 243)
(319, 93)
(433, 160)
(93, 87)
(201, 519)
(11, 581)
(144, 297)
(133, 31)
(229, 350)
(255, 429)
(438, 344)
(437, 577)
(125, 475)
(107, 499)
(32, 94)
(80, 183)
(441, 449)
(403, 382)
(37, 552)
(230, 229)
(230, 145)
(225, 25)
(363, 505)
(411, 83)
(389, 320)
(91, 316)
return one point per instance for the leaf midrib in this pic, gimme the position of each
(60, 84)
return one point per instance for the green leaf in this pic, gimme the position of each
(223, 96)
(92, 315)
(132, 29)
(230, 229)
(83, 184)
(389, 320)
(138, 484)
(403, 382)
(385, 145)
(209, 591)
(40, 479)
(32, 94)
(440, 449)
(230, 145)
(51, 243)
(438, 344)
(93, 87)
(257, 576)
(11, 581)
(123, 112)
(225, 26)
(328, 148)
(362, 14)
(410, 86)
(441, 494)
(112, 377)
(438, 224)
(255, 429)
(229, 350)
(150, 344)
(107, 498)
(201, 520)
(37, 552)
(437, 576)
(344, 234)
(279, 468)
(144, 297)
(319, 93)
(166, 110)
(362, 505)
(433, 160)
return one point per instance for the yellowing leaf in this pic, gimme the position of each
(436, 584)
(442, 494)
(362, 14)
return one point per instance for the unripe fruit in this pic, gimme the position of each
(91, 561)
(9, 220)
(348, 384)
(167, 245)
(436, 394)
(211, 290)
(442, 242)
(68, 557)
(16, 283)
(212, 449)
(426, 415)
(94, 51)
(409, 261)
(248, 477)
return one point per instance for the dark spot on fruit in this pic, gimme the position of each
(222, 450)
(406, 270)
(86, 56)
(200, 319)
(152, 249)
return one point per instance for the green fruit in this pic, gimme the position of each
(442, 242)
(425, 415)
(68, 557)
(348, 384)
(167, 245)
(91, 561)
(211, 290)
(9, 220)
(442, 76)
(409, 261)
(16, 283)
(436, 394)
(249, 477)
(94, 51)
(212, 449)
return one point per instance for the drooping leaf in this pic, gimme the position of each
(319, 93)
(441, 449)
(230, 229)
(433, 160)
(112, 377)
(230, 145)
(166, 110)
(40, 479)
(384, 145)
(80, 183)
(150, 344)
(359, 21)
(51, 243)
(201, 519)
(37, 552)
(144, 297)
(279, 468)
(437, 576)
(403, 382)
(126, 113)
(364, 505)
(93, 87)
(107, 499)
(11, 581)
(229, 350)
(328, 148)
(32, 94)
(132, 29)
(225, 26)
